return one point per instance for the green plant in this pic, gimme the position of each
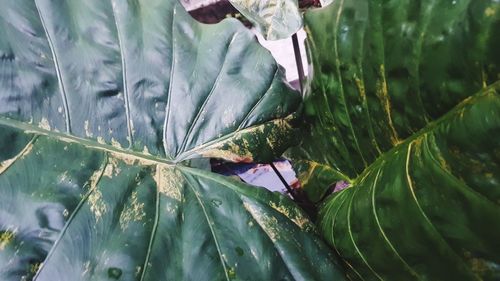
(275, 19)
(393, 113)
(110, 110)
(107, 112)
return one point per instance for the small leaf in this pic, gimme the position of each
(275, 19)
(317, 179)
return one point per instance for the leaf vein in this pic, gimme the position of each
(124, 77)
(210, 94)
(57, 68)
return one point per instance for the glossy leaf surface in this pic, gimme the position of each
(424, 196)
(317, 179)
(430, 206)
(100, 101)
(142, 76)
(385, 69)
(74, 212)
(274, 19)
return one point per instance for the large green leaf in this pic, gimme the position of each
(143, 77)
(100, 101)
(385, 69)
(429, 208)
(424, 197)
(274, 19)
(99, 214)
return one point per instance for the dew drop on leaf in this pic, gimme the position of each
(239, 251)
(114, 273)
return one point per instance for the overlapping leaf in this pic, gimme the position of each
(383, 70)
(99, 102)
(141, 77)
(275, 19)
(429, 208)
(73, 212)
(423, 202)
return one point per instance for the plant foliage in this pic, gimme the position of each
(101, 105)
(274, 19)
(393, 112)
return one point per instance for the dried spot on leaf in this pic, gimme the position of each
(133, 213)
(4, 165)
(479, 266)
(240, 147)
(172, 208)
(228, 117)
(267, 223)
(278, 132)
(439, 156)
(112, 169)
(34, 267)
(132, 160)
(169, 181)
(86, 126)
(231, 273)
(86, 268)
(383, 95)
(490, 11)
(227, 155)
(63, 177)
(115, 143)
(44, 124)
(229, 151)
(6, 238)
(132, 127)
(101, 140)
(108, 171)
(360, 85)
(95, 177)
(97, 205)
(299, 219)
(137, 270)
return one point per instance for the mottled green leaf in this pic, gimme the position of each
(274, 19)
(142, 76)
(74, 212)
(385, 69)
(429, 208)
(388, 75)
(100, 104)
(317, 179)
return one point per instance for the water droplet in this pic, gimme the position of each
(114, 273)
(216, 202)
(239, 251)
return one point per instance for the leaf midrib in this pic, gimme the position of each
(124, 76)
(492, 89)
(89, 143)
(67, 224)
(62, 87)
